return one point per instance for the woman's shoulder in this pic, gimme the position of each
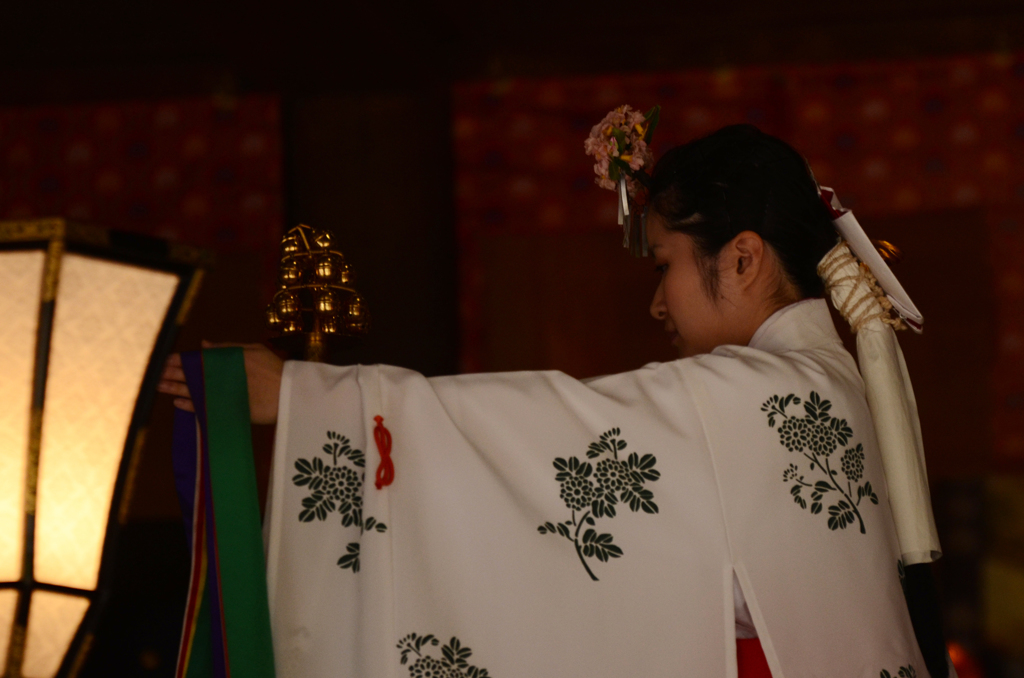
(743, 367)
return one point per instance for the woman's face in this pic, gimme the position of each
(743, 299)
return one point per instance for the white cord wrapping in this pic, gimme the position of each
(859, 288)
(855, 293)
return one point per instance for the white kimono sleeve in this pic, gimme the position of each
(487, 542)
(540, 526)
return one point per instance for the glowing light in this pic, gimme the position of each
(21, 275)
(8, 601)
(106, 320)
(52, 622)
(77, 337)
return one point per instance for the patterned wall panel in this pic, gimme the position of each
(206, 172)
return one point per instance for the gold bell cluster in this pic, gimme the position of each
(316, 301)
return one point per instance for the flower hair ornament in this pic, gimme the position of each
(867, 294)
(620, 144)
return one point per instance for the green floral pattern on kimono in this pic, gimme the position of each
(592, 491)
(337, 487)
(817, 436)
(452, 663)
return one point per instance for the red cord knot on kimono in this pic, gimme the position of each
(386, 467)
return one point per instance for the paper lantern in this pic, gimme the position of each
(87, 317)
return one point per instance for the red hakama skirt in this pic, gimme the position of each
(750, 659)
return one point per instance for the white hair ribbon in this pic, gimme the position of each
(864, 290)
(624, 219)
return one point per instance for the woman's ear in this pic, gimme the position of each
(748, 252)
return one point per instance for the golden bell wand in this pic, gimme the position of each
(316, 309)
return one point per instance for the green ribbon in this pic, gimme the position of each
(243, 580)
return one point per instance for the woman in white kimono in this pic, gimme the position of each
(744, 481)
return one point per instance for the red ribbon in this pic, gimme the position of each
(386, 469)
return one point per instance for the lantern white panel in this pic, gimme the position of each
(106, 322)
(8, 604)
(21, 276)
(53, 619)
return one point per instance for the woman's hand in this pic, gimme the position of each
(263, 375)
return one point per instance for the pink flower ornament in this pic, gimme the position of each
(619, 145)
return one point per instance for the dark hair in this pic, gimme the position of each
(741, 179)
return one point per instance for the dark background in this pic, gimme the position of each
(386, 69)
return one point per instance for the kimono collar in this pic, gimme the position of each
(805, 324)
